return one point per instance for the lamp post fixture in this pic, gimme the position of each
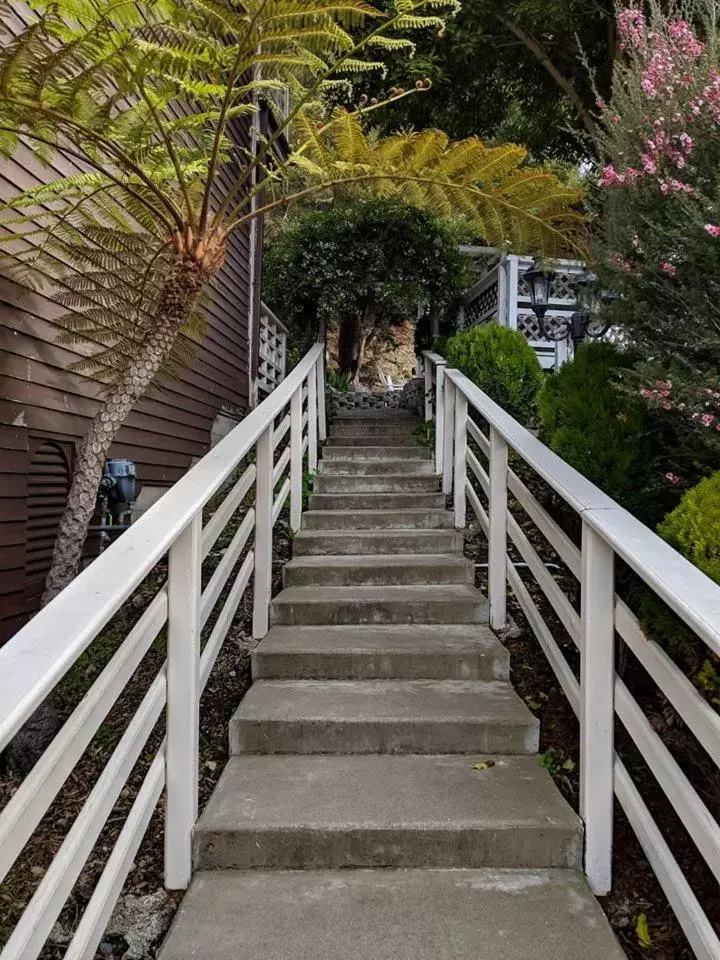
(584, 322)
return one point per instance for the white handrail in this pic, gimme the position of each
(37, 658)
(608, 532)
(40, 654)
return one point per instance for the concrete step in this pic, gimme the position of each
(322, 812)
(377, 519)
(388, 415)
(390, 915)
(389, 483)
(445, 603)
(378, 570)
(377, 501)
(349, 542)
(375, 468)
(382, 716)
(388, 652)
(388, 440)
(386, 452)
(382, 431)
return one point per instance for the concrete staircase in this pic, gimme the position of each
(384, 799)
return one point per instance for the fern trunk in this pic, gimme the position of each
(179, 296)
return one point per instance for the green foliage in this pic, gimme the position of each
(600, 430)
(693, 529)
(425, 433)
(502, 363)
(337, 381)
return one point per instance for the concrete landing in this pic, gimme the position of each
(391, 915)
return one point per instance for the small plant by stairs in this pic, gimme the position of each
(384, 799)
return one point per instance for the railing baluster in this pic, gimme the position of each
(428, 388)
(439, 418)
(183, 704)
(497, 535)
(263, 534)
(597, 684)
(448, 435)
(312, 421)
(460, 471)
(322, 418)
(296, 470)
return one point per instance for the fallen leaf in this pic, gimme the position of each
(569, 765)
(641, 929)
(483, 765)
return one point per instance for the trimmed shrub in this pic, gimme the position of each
(693, 529)
(502, 363)
(600, 430)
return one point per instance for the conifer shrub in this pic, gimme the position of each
(601, 430)
(502, 363)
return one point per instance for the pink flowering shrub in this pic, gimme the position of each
(660, 243)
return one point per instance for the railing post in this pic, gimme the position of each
(322, 419)
(597, 688)
(296, 470)
(448, 434)
(183, 705)
(460, 469)
(428, 388)
(312, 421)
(497, 533)
(263, 534)
(439, 418)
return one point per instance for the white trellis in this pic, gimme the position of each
(502, 296)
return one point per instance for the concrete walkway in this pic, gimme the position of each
(384, 799)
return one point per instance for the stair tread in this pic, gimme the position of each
(493, 703)
(384, 791)
(410, 591)
(485, 914)
(321, 561)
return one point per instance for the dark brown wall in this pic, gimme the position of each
(40, 400)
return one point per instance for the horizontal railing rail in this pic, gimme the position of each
(255, 469)
(480, 465)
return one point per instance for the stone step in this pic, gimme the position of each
(387, 652)
(372, 439)
(386, 452)
(335, 606)
(390, 915)
(379, 430)
(377, 501)
(382, 716)
(323, 812)
(389, 483)
(347, 542)
(377, 519)
(387, 415)
(378, 570)
(377, 468)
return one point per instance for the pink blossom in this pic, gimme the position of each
(649, 164)
(621, 263)
(707, 419)
(631, 25)
(611, 178)
(668, 268)
(713, 230)
(673, 478)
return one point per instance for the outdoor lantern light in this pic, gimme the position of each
(539, 279)
(585, 322)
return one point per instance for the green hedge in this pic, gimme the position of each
(600, 430)
(502, 363)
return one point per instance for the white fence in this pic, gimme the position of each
(502, 296)
(272, 354)
(291, 420)
(599, 696)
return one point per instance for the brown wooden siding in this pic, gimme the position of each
(42, 402)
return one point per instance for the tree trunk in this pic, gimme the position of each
(351, 347)
(189, 275)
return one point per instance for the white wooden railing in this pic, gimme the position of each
(599, 695)
(272, 356)
(270, 447)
